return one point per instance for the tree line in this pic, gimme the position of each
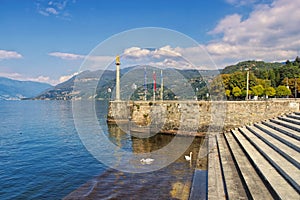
(265, 80)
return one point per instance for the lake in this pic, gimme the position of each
(42, 157)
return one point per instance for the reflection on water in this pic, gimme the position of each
(137, 145)
(171, 182)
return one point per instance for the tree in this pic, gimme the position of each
(257, 90)
(282, 91)
(270, 91)
(297, 61)
(236, 91)
(272, 78)
(217, 87)
(238, 79)
(227, 92)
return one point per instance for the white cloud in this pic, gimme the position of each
(270, 32)
(136, 52)
(167, 51)
(20, 77)
(51, 11)
(89, 58)
(168, 57)
(56, 8)
(239, 3)
(43, 79)
(9, 55)
(67, 56)
(67, 77)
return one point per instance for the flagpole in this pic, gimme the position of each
(161, 85)
(154, 85)
(145, 83)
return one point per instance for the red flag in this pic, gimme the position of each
(154, 81)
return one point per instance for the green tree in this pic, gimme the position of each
(257, 90)
(282, 91)
(272, 78)
(217, 87)
(227, 92)
(277, 79)
(237, 79)
(270, 91)
(297, 61)
(236, 91)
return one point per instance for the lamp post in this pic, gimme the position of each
(109, 93)
(247, 86)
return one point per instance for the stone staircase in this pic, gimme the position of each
(259, 161)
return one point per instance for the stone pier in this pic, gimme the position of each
(197, 117)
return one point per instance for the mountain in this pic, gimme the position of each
(133, 76)
(65, 90)
(15, 90)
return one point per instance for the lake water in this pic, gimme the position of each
(42, 157)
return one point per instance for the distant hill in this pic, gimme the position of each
(65, 90)
(15, 90)
(256, 65)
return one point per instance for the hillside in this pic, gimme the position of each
(265, 79)
(255, 65)
(15, 90)
(65, 90)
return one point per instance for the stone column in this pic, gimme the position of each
(118, 78)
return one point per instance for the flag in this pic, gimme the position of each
(154, 81)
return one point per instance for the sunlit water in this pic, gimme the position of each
(42, 157)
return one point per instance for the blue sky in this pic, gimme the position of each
(46, 40)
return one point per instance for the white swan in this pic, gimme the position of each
(147, 161)
(188, 158)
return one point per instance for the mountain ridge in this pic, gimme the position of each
(11, 89)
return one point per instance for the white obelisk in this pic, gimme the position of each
(118, 78)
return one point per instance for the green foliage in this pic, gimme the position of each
(256, 65)
(238, 79)
(272, 78)
(227, 92)
(270, 91)
(297, 61)
(236, 91)
(257, 90)
(282, 91)
(263, 78)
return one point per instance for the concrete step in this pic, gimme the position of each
(286, 124)
(279, 186)
(255, 187)
(293, 116)
(270, 144)
(281, 129)
(281, 147)
(286, 169)
(290, 120)
(233, 184)
(198, 188)
(291, 142)
(215, 185)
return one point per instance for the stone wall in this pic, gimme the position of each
(189, 117)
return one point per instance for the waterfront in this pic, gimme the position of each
(42, 157)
